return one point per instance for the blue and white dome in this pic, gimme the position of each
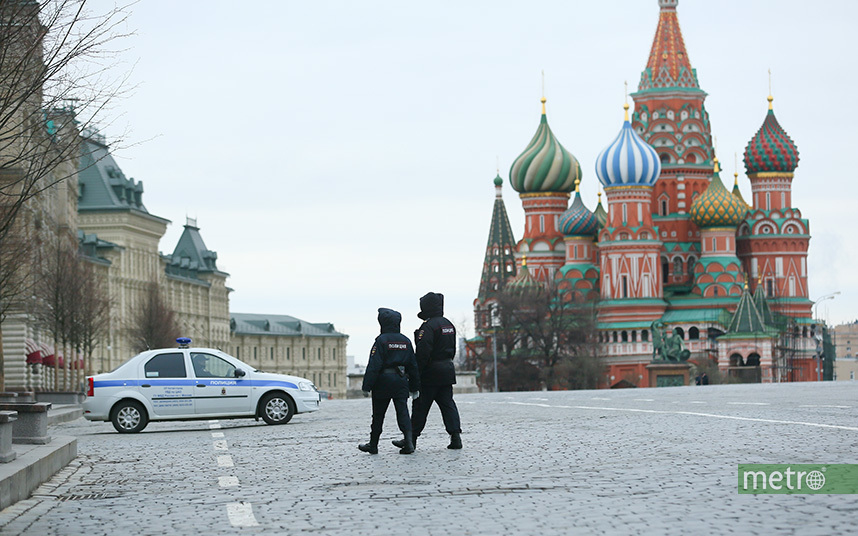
(628, 160)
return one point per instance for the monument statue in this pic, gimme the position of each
(668, 348)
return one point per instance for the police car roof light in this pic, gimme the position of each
(184, 342)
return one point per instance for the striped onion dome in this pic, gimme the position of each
(523, 282)
(771, 149)
(717, 207)
(628, 160)
(577, 220)
(600, 213)
(544, 166)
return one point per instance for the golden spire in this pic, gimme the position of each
(770, 98)
(542, 100)
(626, 103)
(577, 182)
(735, 169)
(715, 155)
(600, 197)
(524, 261)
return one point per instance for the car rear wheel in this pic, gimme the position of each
(129, 417)
(276, 408)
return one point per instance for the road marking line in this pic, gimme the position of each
(639, 399)
(217, 434)
(241, 514)
(227, 481)
(696, 414)
(214, 426)
(749, 403)
(220, 444)
(541, 399)
(225, 461)
(214, 420)
(597, 398)
(824, 406)
(698, 402)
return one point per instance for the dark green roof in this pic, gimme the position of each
(501, 237)
(102, 184)
(191, 257)
(279, 325)
(747, 318)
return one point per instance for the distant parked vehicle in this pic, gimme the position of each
(187, 383)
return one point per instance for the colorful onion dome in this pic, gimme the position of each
(628, 160)
(577, 220)
(600, 213)
(523, 282)
(544, 166)
(717, 207)
(771, 149)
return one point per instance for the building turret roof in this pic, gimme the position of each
(499, 248)
(628, 160)
(668, 66)
(747, 318)
(577, 220)
(771, 149)
(738, 193)
(545, 165)
(762, 305)
(600, 213)
(717, 207)
(191, 257)
(524, 282)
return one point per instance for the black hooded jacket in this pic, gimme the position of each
(391, 350)
(436, 342)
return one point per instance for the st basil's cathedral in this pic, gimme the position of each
(674, 252)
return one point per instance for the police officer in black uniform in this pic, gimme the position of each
(390, 374)
(436, 348)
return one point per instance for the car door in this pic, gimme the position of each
(217, 390)
(165, 382)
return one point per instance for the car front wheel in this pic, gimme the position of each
(129, 417)
(276, 408)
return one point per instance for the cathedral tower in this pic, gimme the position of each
(670, 115)
(543, 175)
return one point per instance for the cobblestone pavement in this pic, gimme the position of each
(636, 461)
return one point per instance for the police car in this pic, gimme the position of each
(187, 383)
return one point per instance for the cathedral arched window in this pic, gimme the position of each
(624, 336)
(680, 332)
(645, 335)
(615, 336)
(634, 336)
(665, 158)
(693, 334)
(664, 269)
(691, 262)
(690, 158)
(677, 266)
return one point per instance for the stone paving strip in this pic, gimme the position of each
(548, 463)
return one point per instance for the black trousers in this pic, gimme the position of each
(380, 402)
(441, 395)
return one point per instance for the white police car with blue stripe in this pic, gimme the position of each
(193, 383)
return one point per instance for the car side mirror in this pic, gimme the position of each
(239, 373)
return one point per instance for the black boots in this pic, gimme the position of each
(371, 447)
(455, 441)
(402, 442)
(407, 444)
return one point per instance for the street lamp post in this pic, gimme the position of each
(818, 335)
(495, 321)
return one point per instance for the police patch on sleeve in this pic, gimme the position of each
(448, 330)
(372, 353)
(419, 334)
(397, 346)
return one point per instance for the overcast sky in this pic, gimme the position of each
(339, 156)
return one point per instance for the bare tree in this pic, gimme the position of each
(93, 311)
(56, 79)
(57, 287)
(154, 324)
(552, 341)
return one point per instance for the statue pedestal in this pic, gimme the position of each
(668, 374)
